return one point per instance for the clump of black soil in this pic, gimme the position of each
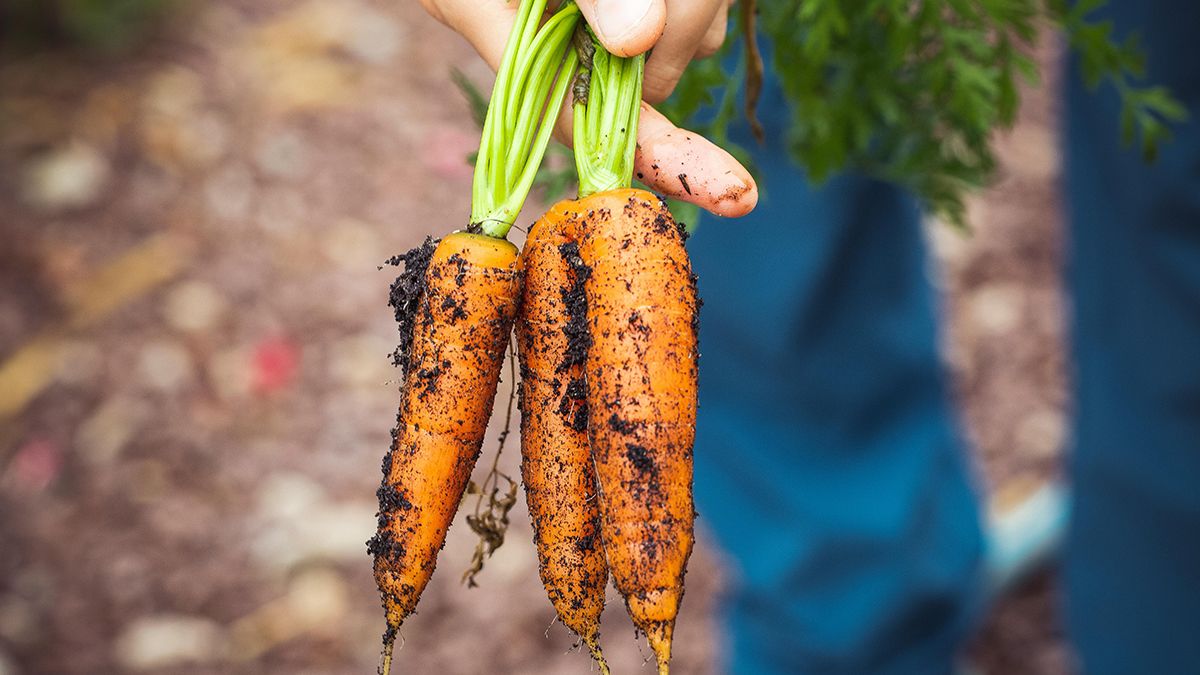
(579, 340)
(586, 543)
(391, 499)
(405, 299)
(573, 405)
(641, 458)
(406, 292)
(383, 544)
(623, 427)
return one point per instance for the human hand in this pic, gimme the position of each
(672, 161)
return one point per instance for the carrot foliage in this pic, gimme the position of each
(534, 74)
(911, 90)
(607, 102)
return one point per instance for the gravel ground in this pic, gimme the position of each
(194, 340)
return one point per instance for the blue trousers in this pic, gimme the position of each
(829, 463)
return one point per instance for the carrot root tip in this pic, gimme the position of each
(385, 657)
(593, 645)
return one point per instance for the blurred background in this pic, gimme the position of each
(195, 389)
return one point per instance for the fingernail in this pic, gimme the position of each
(617, 19)
(729, 181)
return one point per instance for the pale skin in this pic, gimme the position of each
(678, 31)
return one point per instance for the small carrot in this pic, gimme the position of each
(459, 316)
(560, 483)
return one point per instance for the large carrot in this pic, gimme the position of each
(560, 484)
(456, 304)
(642, 375)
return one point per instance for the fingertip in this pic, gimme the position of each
(737, 200)
(626, 27)
(686, 166)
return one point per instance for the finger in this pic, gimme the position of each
(715, 37)
(686, 166)
(485, 25)
(687, 24)
(626, 27)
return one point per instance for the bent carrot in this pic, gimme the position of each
(560, 484)
(641, 365)
(607, 337)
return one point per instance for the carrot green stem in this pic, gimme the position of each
(535, 71)
(606, 111)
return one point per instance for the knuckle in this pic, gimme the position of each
(660, 82)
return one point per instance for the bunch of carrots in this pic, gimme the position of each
(603, 302)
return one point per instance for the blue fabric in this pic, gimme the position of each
(1133, 560)
(828, 462)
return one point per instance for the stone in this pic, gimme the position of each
(283, 154)
(1042, 433)
(166, 641)
(287, 495)
(229, 193)
(361, 361)
(353, 245)
(68, 177)
(165, 366)
(194, 307)
(996, 308)
(372, 36)
(323, 531)
(317, 597)
(103, 435)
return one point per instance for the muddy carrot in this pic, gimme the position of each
(560, 483)
(459, 311)
(609, 284)
(638, 346)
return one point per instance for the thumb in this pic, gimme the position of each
(626, 27)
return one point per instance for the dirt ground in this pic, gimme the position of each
(194, 341)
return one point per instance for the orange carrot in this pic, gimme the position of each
(642, 380)
(641, 364)
(560, 483)
(457, 304)
(608, 285)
